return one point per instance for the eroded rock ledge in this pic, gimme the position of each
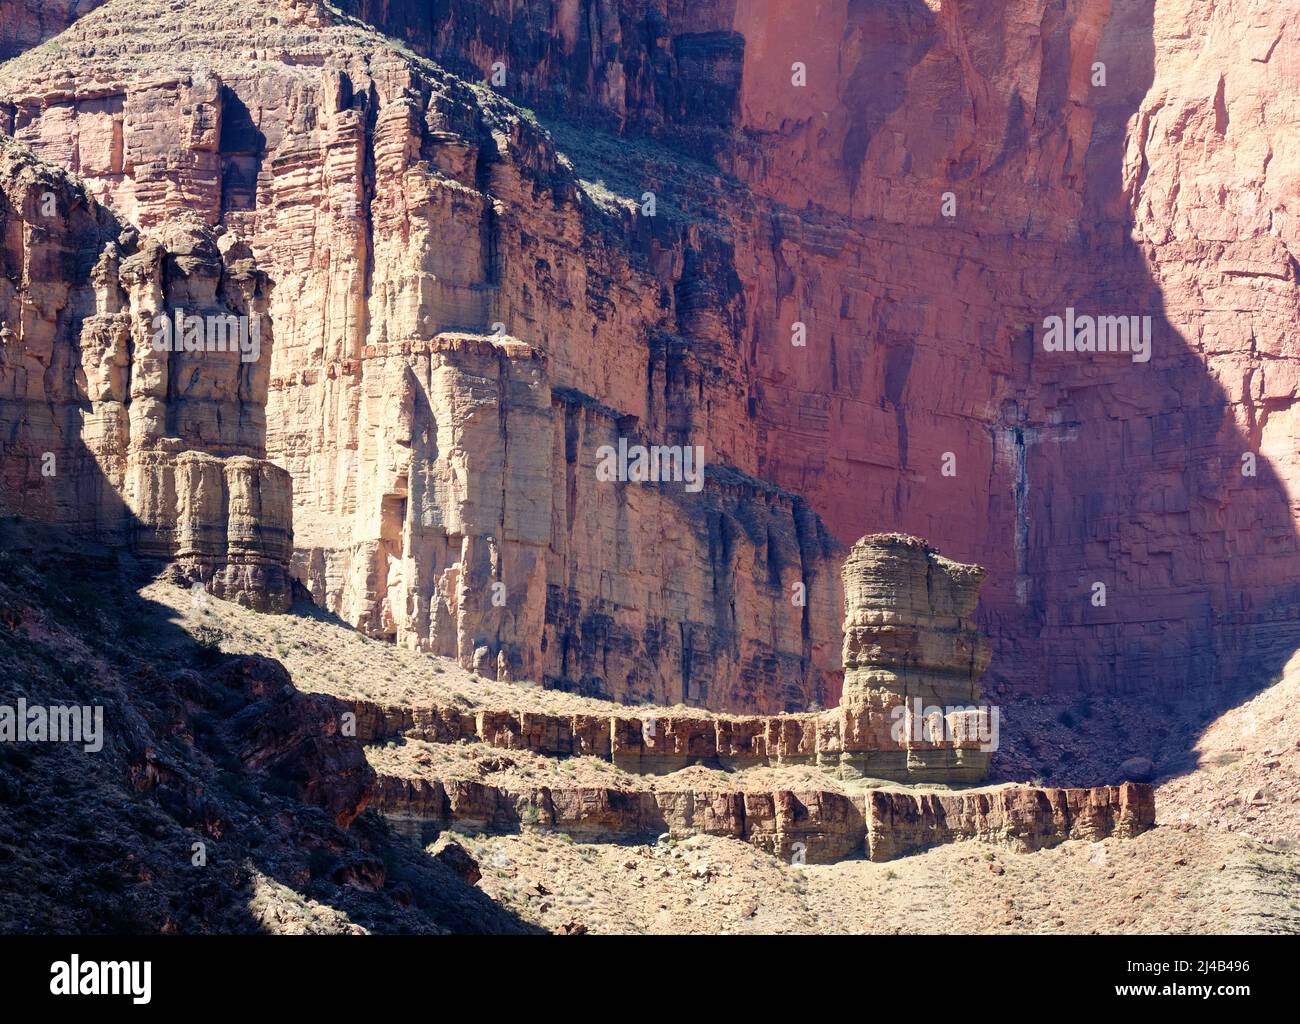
(829, 826)
(908, 637)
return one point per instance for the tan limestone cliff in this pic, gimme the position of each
(462, 321)
(106, 435)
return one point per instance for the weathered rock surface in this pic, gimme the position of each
(105, 434)
(1128, 159)
(910, 650)
(27, 23)
(213, 804)
(296, 739)
(451, 855)
(1160, 185)
(1022, 817)
(908, 638)
(461, 323)
(820, 826)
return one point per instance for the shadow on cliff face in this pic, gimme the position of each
(1133, 479)
(213, 796)
(1130, 477)
(197, 748)
(1126, 474)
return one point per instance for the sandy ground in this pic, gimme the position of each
(1247, 779)
(325, 656)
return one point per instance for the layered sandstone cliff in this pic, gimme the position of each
(932, 182)
(463, 323)
(107, 435)
(947, 176)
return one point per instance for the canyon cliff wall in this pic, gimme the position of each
(463, 324)
(460, 293)
(110, 437)
(948, 175)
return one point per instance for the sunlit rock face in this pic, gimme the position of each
(913, 659)
(863, 218)
(463, 324)
(110, 435)
(946, 178)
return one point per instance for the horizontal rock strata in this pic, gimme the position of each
(911, 645)
(108, 435)
(665, 742)
(819, 826)
(908, 638)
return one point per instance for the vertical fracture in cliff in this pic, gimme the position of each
(133, 376)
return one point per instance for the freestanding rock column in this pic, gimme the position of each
(912, 663)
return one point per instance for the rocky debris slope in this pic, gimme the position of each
(217, 797)
(1164, 881)
(451, 752)
(112, 436)
(1242, 773)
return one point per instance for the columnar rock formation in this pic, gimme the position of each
(913, 659)
(910, 710)
(111, 437)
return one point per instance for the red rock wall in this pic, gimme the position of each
(1168, 191)
(27, 23)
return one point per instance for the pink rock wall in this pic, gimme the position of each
(1165, 188)
(1166, 191)
(105, 435)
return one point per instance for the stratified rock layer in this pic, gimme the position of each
(913, 658)
(108, 436)
(817, 826)
(910, 651)
(462, 324)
